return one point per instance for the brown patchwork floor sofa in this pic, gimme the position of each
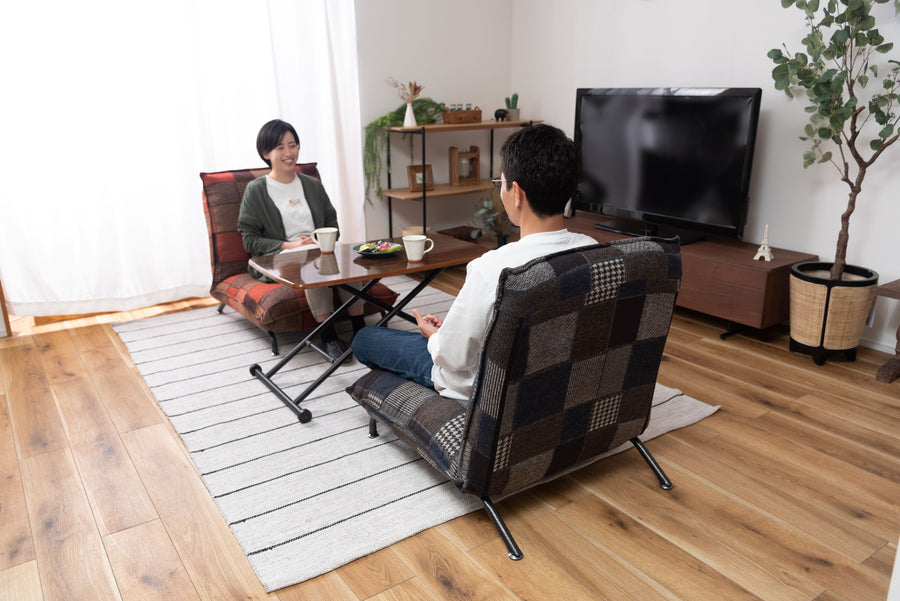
(567, 372)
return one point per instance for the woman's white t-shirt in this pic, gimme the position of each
(291, 203)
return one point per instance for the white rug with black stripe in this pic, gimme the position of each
(303, 499)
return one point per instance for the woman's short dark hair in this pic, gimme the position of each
(270, 135)
(545, 164)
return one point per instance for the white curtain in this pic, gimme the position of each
(111, 111)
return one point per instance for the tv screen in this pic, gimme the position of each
(669, 160)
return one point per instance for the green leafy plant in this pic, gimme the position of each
(513, 102)
(493, 217)
(375, 136)
(850, 125)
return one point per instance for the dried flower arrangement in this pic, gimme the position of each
(407, 93)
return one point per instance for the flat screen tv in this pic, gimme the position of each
(664, 161)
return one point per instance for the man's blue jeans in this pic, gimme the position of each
(403, 353)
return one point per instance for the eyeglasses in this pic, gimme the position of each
(498, 183)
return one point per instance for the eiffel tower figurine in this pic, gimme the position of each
(764, 251)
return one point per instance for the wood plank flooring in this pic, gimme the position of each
(790, 492)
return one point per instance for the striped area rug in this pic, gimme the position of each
(303, 499)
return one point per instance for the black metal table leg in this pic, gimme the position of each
(302, 414)
(397, 309)
(266, 377)
(294, 403)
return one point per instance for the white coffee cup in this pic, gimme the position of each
(415, 247)
(325, 237)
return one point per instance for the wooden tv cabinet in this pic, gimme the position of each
(720, 277)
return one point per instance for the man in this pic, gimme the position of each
(539, 174)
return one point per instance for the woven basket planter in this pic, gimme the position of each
(828, 316)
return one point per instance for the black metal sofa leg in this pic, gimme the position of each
(664, 481)
(512, 548)
(274, 340)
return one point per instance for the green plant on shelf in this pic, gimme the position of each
(375, 137)
(493, 217)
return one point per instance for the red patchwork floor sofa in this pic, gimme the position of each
(271, 306)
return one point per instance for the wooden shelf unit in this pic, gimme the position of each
(436, 128)
(439, 191)
(721, 278)
(442, 190)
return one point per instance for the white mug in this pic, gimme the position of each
(415, 247)
(325, 237)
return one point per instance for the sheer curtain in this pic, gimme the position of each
(113, 109)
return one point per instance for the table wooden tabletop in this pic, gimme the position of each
(311, 269)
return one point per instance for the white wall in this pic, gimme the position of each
(559, 46)
(545, 50)
(460, 51)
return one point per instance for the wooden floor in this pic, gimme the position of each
(790, 491)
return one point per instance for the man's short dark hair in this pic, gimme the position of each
(545, 164)
(270, 135)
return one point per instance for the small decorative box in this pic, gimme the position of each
(471, 116)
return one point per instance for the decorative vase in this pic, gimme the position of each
(513, 114)
(828, 316)
(410, 119)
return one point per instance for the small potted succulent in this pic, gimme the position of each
(512, 107)
(853, 118)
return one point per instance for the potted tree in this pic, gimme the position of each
(853, 120)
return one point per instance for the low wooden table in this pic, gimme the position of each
(311, 269)
(891, 369)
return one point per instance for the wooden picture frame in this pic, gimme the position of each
(465, 177)
(419, 174)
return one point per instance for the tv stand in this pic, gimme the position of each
(631, 227)
(721, 278)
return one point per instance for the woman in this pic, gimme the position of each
(280, 210)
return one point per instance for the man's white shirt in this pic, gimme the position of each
(456, 346)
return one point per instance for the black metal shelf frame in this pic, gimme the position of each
(424, 198)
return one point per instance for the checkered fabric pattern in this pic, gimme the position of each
(271, 306)
(567, 371)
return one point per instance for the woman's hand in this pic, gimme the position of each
(303, 241)
(428, 324)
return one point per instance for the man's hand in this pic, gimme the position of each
(428, 324)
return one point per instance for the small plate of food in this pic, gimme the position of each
(378, 249)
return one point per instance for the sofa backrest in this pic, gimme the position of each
(222, 195)
(569, 364)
